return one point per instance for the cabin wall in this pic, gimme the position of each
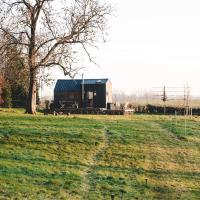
(71, 97)
(99, 95)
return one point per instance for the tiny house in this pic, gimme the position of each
(86, 93)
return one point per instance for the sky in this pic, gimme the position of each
(150, 43)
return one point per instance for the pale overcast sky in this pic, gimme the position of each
(150, 43)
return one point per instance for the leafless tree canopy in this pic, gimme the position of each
(49, 29)
(47, 32)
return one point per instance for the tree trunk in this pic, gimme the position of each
(31, 101)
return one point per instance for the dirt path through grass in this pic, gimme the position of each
(89, 191)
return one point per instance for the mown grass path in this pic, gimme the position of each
(91, 193)
(83, 157)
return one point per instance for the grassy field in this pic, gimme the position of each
(88, 157)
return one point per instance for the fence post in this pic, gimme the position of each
(146, 181)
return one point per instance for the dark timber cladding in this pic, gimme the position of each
(97, 93)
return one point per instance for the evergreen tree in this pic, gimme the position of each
(19, 96)
(7, 96)
(16, 77)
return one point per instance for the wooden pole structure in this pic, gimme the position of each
(164, 99)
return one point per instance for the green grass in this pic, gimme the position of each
(84, 157)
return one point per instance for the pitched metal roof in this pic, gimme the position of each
(67, 85)
(94, 81)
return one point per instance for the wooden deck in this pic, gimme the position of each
(95, 111)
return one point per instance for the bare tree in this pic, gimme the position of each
(47, 33)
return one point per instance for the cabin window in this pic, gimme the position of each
(90, 95)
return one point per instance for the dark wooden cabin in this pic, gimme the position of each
(69, 93)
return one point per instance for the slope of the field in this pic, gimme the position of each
(89, 157)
